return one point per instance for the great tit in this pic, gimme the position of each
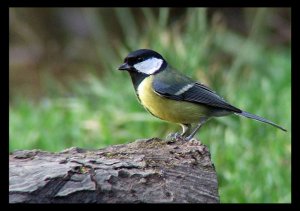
(174, 97)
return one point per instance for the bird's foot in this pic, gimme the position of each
(194, 141)
(189, 138)
(172, 137)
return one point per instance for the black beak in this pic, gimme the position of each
(124, 66)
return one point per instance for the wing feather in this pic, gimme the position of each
(169, 87)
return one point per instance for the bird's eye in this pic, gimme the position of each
(139, 59)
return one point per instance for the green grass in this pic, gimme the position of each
(252, 159)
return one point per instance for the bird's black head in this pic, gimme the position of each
(144, 61)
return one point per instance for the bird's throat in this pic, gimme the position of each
(137, 78)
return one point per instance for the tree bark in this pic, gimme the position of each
(145, 171)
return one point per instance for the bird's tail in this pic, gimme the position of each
(258, 118)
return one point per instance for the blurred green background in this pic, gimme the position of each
(65, 90)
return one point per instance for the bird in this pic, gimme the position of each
(169, 95)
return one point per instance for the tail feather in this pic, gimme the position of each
(258, 118)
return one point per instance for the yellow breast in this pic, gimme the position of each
(167, 109)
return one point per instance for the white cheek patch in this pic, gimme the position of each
(149, 66)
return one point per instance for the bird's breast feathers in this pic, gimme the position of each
(168, 109)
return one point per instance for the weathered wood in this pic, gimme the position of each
(146, 171)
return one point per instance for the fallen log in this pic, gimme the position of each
(144, 171)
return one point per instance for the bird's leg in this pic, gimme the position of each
(176, 136)
(185, 129)
(202, 121)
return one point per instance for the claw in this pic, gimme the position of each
(174, 137)
(191, 139)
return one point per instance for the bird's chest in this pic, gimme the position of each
(148, 98)
(166, 109)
